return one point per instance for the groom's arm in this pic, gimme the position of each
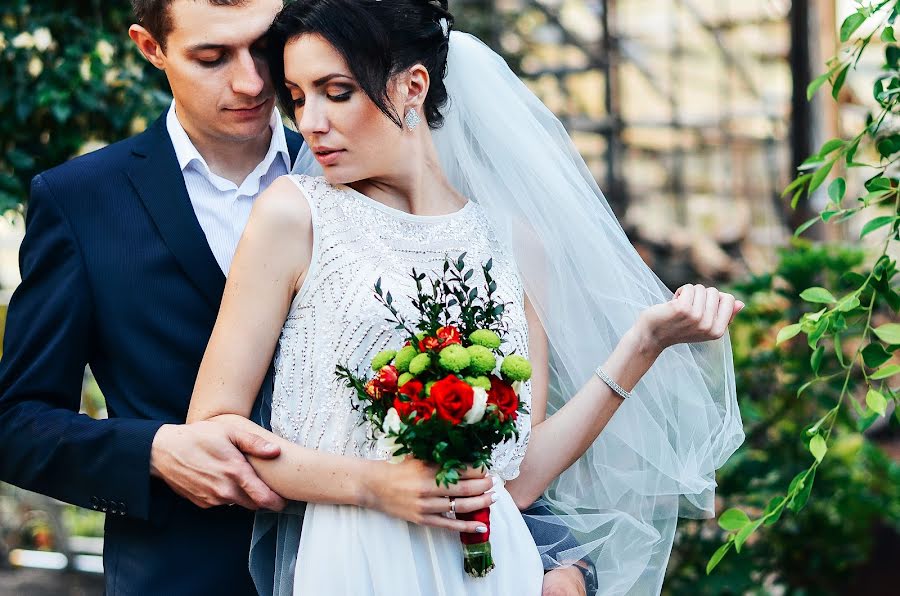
(47, 446)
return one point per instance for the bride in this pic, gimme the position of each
(431, 147)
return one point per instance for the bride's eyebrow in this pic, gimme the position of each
(321, 80)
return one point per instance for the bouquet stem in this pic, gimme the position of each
(477, 559)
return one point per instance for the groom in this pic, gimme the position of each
(123, 267)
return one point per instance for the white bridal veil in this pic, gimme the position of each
(656, 460)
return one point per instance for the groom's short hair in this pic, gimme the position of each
(155, 17)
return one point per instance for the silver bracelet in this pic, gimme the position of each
(612, 384)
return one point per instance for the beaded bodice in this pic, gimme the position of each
(335, 318)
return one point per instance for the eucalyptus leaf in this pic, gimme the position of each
(888, 333)
(839, 82)
(816, 83)
(876, 401)
(866, 420)
(874, 355)
(851, 24)
(818, 447)
(745, 533)
(773, 510)
(836, 190)
(819, 177)
(802, 496)
(817, 295)
(717, 557)
(787, 333)
(876, 223)
(885, 371)
(815, 361)
(733, 519)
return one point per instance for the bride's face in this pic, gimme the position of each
(350, 137)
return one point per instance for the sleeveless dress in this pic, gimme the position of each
(335, 318)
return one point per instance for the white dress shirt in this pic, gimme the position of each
(222, 207)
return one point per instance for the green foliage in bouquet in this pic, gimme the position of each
(441, 397)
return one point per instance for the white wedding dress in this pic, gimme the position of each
(335, 318)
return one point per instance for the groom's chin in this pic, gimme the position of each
(248, 122)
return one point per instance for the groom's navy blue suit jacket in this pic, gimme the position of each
(117, 274)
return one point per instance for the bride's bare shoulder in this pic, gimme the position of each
(282, 207)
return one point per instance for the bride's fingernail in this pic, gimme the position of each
(481, 530)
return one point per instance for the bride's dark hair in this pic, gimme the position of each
(377, 38)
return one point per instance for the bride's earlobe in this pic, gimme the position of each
(412, 118)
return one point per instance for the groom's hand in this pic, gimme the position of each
(566, 581)
(408, 491)
(205, 463)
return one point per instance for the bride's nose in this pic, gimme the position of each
(314, 119)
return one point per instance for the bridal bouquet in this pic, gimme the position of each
(449, 395)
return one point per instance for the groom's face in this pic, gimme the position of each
(214, 62)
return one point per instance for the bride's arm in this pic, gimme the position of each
(269, 265)
(695, 314)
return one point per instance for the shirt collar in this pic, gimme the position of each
(187, 153)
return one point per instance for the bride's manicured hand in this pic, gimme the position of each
(694, 314)
(407, 490)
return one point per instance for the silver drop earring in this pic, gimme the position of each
(412, 119)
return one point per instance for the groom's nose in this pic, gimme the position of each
(247, 75)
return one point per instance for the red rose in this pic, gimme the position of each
(412, 389)
(443, 338)
(504, 397)
(429, 343)
(449, 335)
(421, 406)
(386, 378)
(452, 398)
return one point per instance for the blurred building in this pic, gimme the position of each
(692, 114)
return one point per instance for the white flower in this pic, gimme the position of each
(388, 444)
(392, 422)
(35, 67)
(105, 51)
(23, 40)
(479, 402)
(84, 69)
(42, 39)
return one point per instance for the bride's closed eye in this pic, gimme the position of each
(298, 102)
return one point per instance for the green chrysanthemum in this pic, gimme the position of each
(454, 358)
(382, 359)
(404, 357)
(486, 338)
(418, 364)
(404, 379)
(483, 382)
(482, 360)
(515, 368)
(428, 387)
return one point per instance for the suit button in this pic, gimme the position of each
(95, 502)
(121, 508)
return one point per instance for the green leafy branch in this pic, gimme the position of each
(849, 316)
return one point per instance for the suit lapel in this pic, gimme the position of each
(158, 181)
(294, 142)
